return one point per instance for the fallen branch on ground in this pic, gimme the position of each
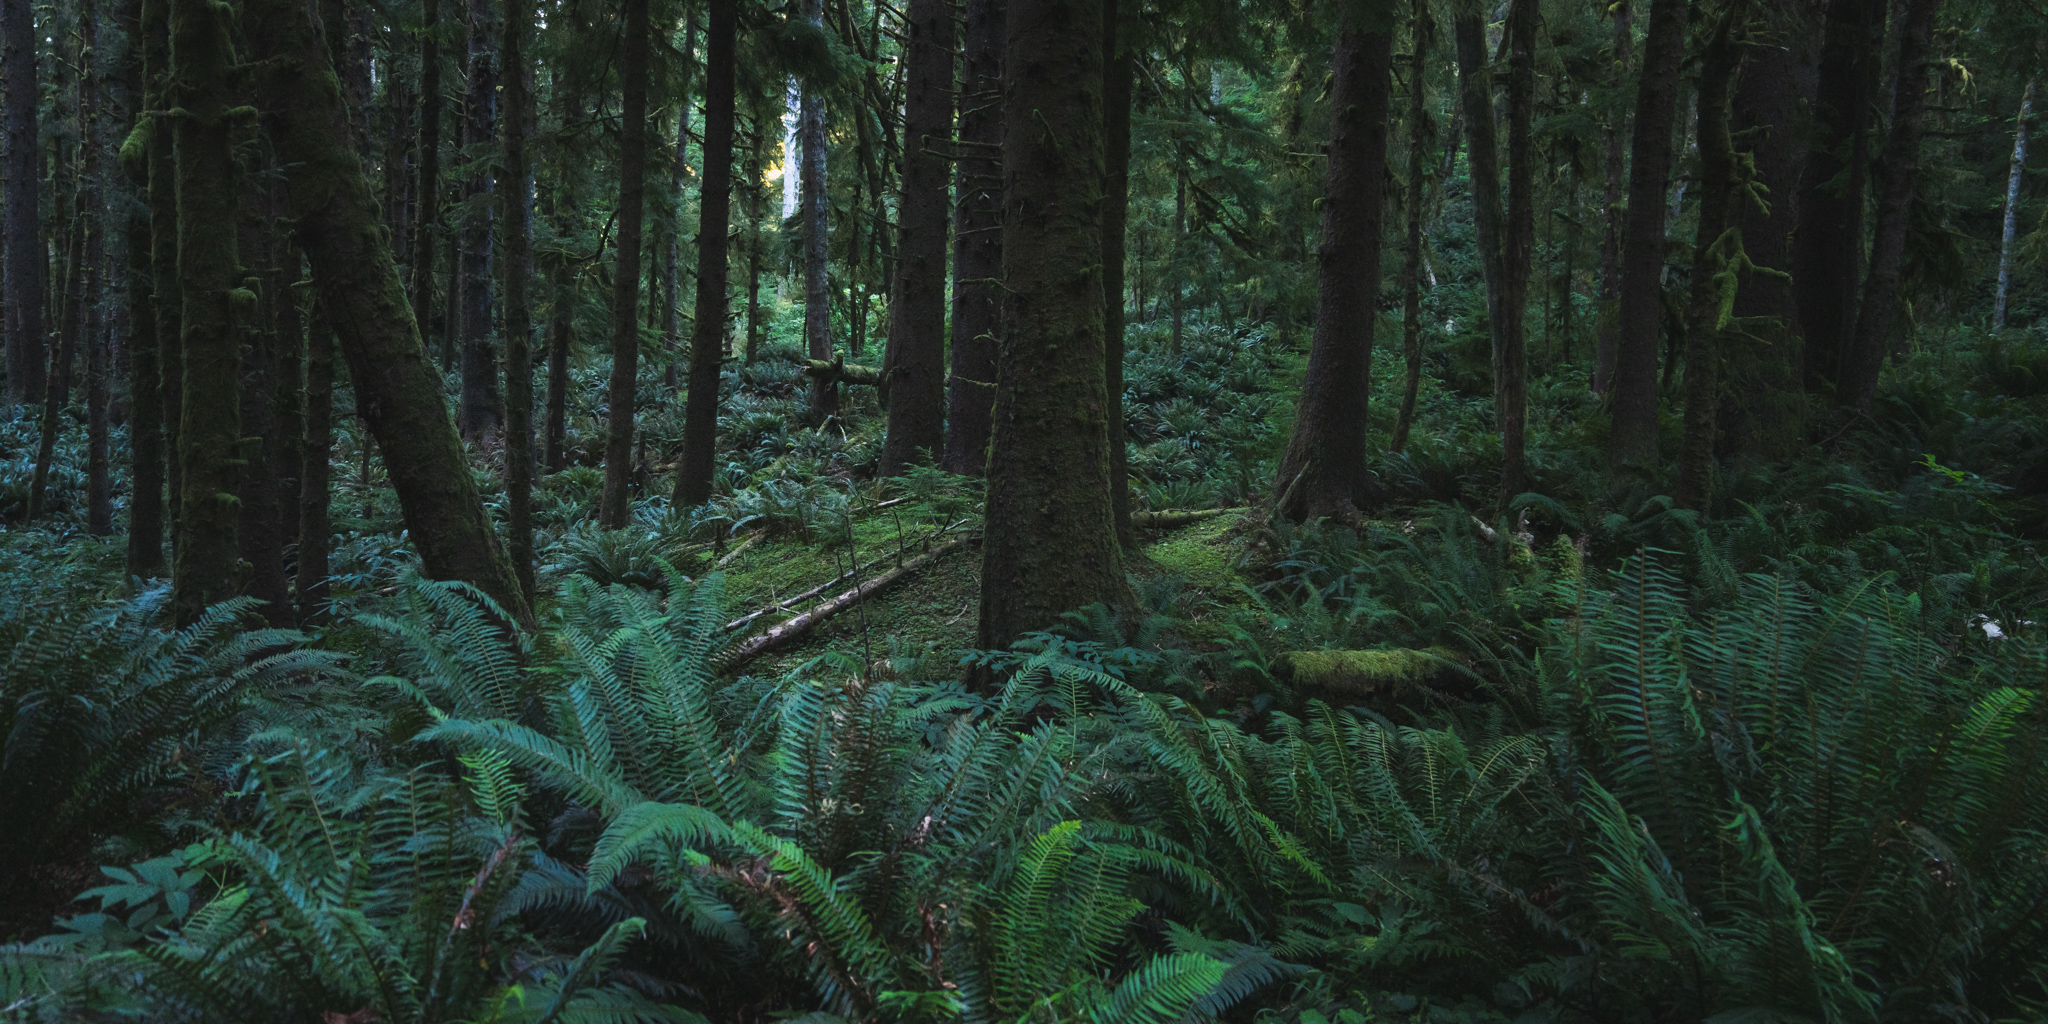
(838, 372)
(780, 635)
(1175, 517)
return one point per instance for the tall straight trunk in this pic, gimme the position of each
(483, 406)
(816, 219)
(679, 174)
(1176, 258)
(1421, 32)
(2012, 207)
(617, 505)
(23, 234)
(209, 269)
(427, 156)
(56, 383)
(1614, 167)
(516, 213)
(258, 539)
(99, 509)
(334, 215)
(288, 361)
(1475, 89)
(916, 370)
(398, 157)
(714, 206)
(1827, 253)
(145, 404)
(1050, 544)
(99, 512)
(1761, 403)
(315, 530)
(756, 203)
(1119, 78)
(1323, 473)
(1715, 247)
(1632, 438)
(1510, 353)
(165, 287)
(977, 240)
(561, 332)
(71, 290)
(1900, 166)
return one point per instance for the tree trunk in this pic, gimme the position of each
(1119, 77)
(483, 406)
(977, 241)
(1475, 87)
(617, 505)
(397, 391)
(679, 174)
(2012, 207)
(314, 528)
(1323, 473)
(165, 286)
(1421, 31)
(23, 243)
(756, 204)
(916, 363)
(1632, 438)
(1176, 265)
(1901, 164)
(816, 221)
(209, 269)
(714, 205)
(561, 330)
(1827, 253)
(258, 540)
(1510, 352)
(516, 212)
(427, 192)
(145, 401)
(1716, 251)
(1051, 529)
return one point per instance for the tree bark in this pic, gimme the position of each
(1510, 353)
(977, 241)
(1421, 31)
(817, 266)
(1864, 359)
(165, 286)
(397, 391)
(1827, 253)
(483, 406)
(1475, 86)
(23, 242)
(1716, 257)
(516, 212)
(1051, 532)
(679, 174)
(1119, 78)
(561, 330)
(1632, 439)
(259, 507)
(1614, 167)
(427, 192)
(209, 269)
(314, 524)
(617, 504)
(916, 362)
(2012, 207)
(714, 205)
(145, 401)
(1323, 473)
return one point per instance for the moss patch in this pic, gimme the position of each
(1363, 672)
(1205, 554)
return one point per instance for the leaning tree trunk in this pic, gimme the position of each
(1419, 34)
(977, 241)
(617, 505)
(1518, 248)
(714, 206)
(1827, 253)
(1608, 342)
(23, 236)
(397, 390)
(916, 363)
(1717, 251)
(1632, 438)
(1901, 164)
(1323, 474)
(817, 266)
(483, 407)
(1051, 532)
(2012, 207)
(516, 212)
(1119, 71)
(210, 277)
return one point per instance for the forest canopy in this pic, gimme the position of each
(1124, 511)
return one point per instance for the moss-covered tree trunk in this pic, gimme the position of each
(1714, 255)
(1632, 438)
(617, 504)
(714, 206)
(21, 235)
(1322, 474)
(1051, 536)
(1420, 33)
(977, 241)
(483, 405)
(216, 305)
(916, 361)
(1119, 78)
(516, 213)
(817, 228)
(678, 176)
(160, 174)
(259, 535)
(337, 225)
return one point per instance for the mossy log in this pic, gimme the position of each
(837, 372)
(1374, 672)
(1167, 519)
(785, 633)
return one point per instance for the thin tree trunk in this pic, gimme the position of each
(679, 174)
(258, 539)
(483, 405)
(145, 401)
(397, 391)
(23, 242)
(1177, 258)
(1421, 32)
(210, 435)
(1475, 87)
(1119, 78)
(916, 363)
(1051, 529)
(756, 202)
(1632, 440)
(714, 205)
(1715, 247)
(1323, 473)
(99, 512)
(2012, 207)
(427, 191)
(1827, 253)
(817, 266)
(314, 528)
(561, 331)
(166, 288)
(617, 505)
(1901, 164)
(1510, 354)
(516, 211)
(977, 241)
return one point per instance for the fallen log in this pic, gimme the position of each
(784, 633)
(838, 372)
(1168, 519)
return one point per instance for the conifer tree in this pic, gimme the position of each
(977, 240)
(915, 367)
(21, 239)
(1632, 439)
(617, 504)
(714, 204)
